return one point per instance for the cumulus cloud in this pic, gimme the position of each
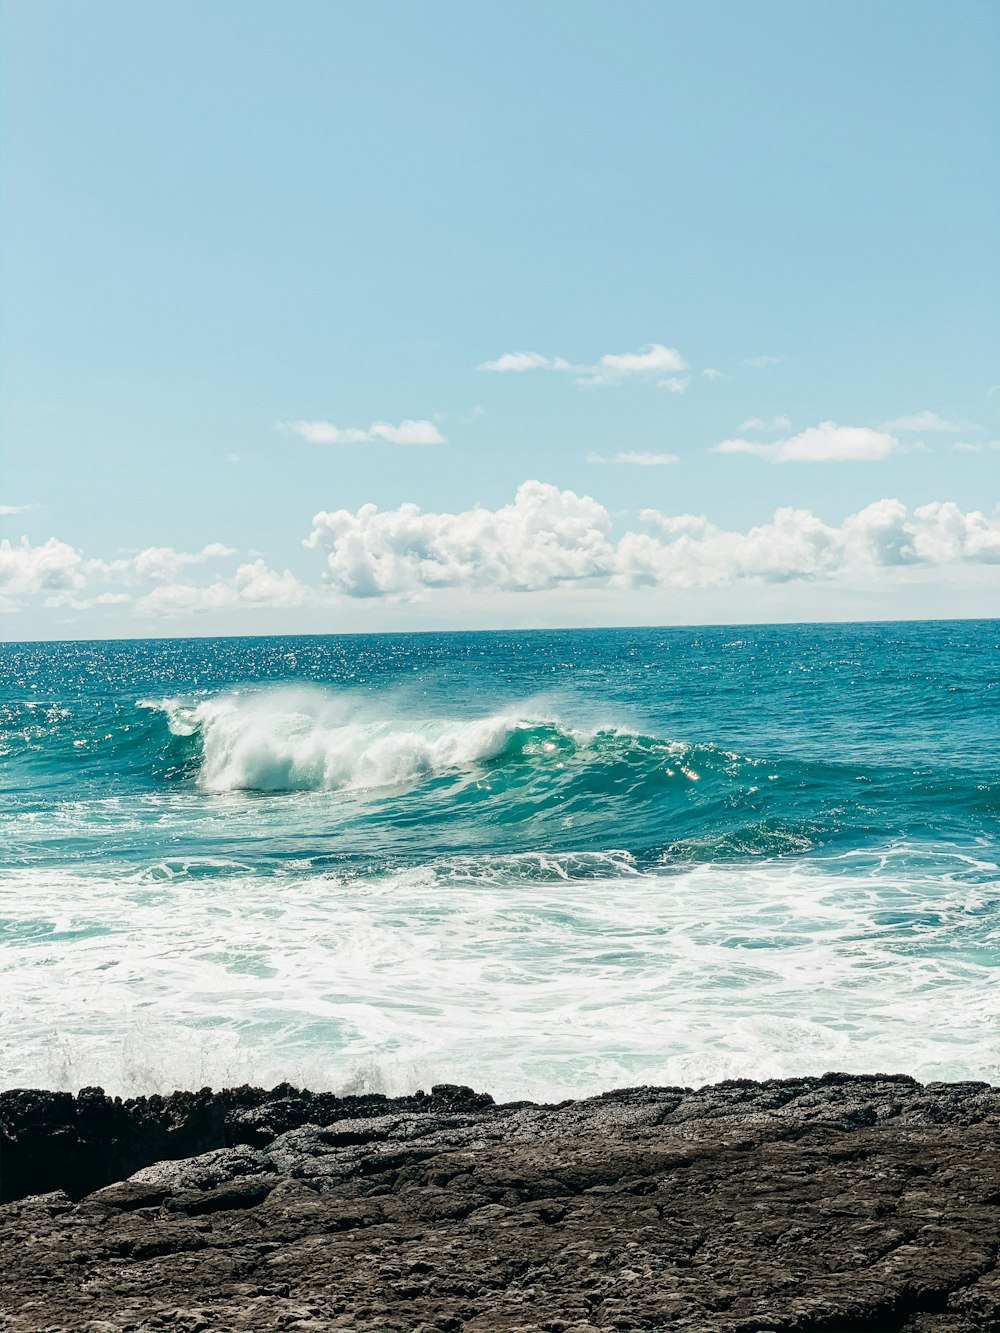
(253, 584)
(8, 511)
(942, 533)
(612, 368)
(544, 538)
(710, 373)
(759, 362)
(548, 538)
(52, 566)
(163, 562)
(928, 422)
(825, 443)
(688, 551)
(325, 432)
(66, 579)
(675, 383)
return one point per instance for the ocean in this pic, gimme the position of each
(545, 864)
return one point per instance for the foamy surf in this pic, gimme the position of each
(532, 977)
(308, 740)
(542, 864)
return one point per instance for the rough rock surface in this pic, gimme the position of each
(837, 1205)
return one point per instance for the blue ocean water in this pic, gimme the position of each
(543, 863)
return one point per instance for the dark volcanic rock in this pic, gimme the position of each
(53, 1140)
(835, 1205)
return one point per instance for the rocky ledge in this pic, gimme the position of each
(842, 1204)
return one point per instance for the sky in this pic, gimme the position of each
(334, 316)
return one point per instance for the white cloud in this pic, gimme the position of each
(65, 578)
(769, 425)
(325, 432)
(612, 368)
(759, 362)
(941, 533)
(688, 551)
(407, 432)
(163, 562)
(647, 460)
(710, 373)
(549, 538)
(546, 537)
(517, 362)
(253, 584)
(643, 460)
(825, 443)
(675, 383)
(68, 601)
(924, 421)
(7, 511)
(976, 447)
(52, 566)
(653, 359)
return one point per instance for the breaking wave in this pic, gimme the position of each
(544, 864)
(296, 740)
(385, 780)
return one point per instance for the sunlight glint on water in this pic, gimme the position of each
(541, 864)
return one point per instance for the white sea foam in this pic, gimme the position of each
(300, 739)
(499, 973)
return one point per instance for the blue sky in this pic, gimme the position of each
(223, 221)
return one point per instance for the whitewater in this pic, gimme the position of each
(545, 864)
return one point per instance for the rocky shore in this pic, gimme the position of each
(842, 1204)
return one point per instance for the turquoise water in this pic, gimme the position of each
(543, 863)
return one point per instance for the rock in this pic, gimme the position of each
(203, 1172)
(843, 1203)
(53, 1140)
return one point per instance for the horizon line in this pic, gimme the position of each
(534, 629)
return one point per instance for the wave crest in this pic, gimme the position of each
(297, 740)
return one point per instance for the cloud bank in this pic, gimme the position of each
(544, 539)
(549, 537)
(66, 579)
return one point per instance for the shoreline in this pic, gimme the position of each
(839, 1204)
